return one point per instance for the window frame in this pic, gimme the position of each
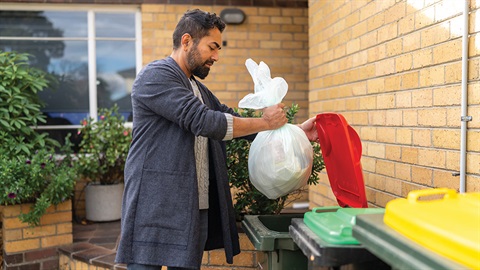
(91, 41)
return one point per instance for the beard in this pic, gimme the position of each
(195, 62)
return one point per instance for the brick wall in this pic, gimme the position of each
(35, 247)
(277, 36)
(393, 69)
(248, 259)
(256, 3)
(78, 204)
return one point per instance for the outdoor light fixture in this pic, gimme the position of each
(232, 16)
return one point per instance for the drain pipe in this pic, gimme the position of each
(464, 118)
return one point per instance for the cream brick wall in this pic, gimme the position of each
(393, 69)
(277, 36)
(55, 228)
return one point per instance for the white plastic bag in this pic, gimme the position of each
(280, 161)
(268, 91)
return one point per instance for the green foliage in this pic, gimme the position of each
(248, 200)
(20, 106)
(29, 170)
(39, 178)
(104, 147)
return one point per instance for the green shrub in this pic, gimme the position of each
(29, 169)
(40, 178)
(247, 199)
(20, 106)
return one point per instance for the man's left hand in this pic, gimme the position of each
(310, 129)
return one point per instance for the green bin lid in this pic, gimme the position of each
(336, 227)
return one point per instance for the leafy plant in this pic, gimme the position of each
(104, 147)
(29, 169)
(20, 106)
(248, 200)
(39, 178)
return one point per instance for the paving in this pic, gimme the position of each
(94, 244)
(104, 234)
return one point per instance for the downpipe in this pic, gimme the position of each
(464, 103)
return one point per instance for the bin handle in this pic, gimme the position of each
(326, 209)
(324, 140)
(413, 196)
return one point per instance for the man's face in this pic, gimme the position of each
(202, 55)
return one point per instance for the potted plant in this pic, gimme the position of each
(101, 160)
(29, 170)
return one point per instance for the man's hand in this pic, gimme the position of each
(274, 116)
(310, 129)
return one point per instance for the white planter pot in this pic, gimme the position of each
(103, 202)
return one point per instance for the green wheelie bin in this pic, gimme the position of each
(269, 233)
(325, 234)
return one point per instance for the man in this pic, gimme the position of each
(177, 200)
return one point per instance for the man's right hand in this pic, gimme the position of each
(274, 116)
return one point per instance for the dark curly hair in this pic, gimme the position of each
(197, 23)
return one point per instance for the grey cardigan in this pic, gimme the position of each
(160, 205)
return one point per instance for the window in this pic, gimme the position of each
(94, 54)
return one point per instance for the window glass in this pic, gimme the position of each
(115, 74)
(58, 43)
(40, 33)
(69, 95)
(42, 51)
(43, 24)
(115, 25)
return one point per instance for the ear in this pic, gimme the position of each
(186, 40)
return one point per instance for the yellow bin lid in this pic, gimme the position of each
(441, 220)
